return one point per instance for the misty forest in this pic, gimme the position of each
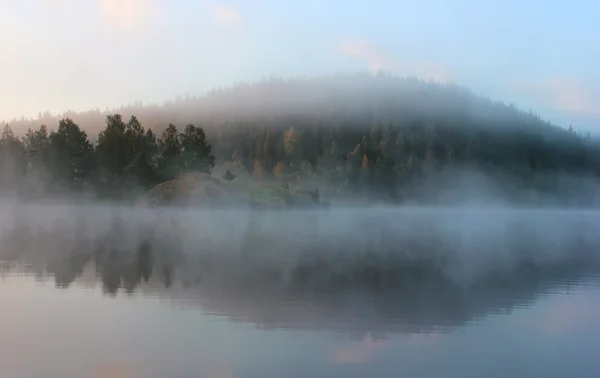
(438, 261)
(371, 137)
(263, 189)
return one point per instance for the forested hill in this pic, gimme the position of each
(361, 134)
(341, 100)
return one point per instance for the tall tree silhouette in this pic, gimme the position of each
(72, 154)
(13, 162)
(169, 147)
(113, 148)
(195, 150)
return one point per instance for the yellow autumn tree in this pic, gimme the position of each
(289, 140)
(258, 171)
(365, 162)
(278, 170)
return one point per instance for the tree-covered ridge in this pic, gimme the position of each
(361, 134)
(340, 98)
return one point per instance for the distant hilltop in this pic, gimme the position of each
(349, 96)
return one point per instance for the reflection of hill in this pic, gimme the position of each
(348, 273)
(429, 302)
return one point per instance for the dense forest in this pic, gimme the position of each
(369, 135)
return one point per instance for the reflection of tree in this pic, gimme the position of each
(121, 259)
(110, 271)
(253, 236)
(386, 281)
(66, 270)
(144, 261)
(167, 274)
(65, 254)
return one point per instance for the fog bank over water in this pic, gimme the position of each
(461, 243)
(397, 269)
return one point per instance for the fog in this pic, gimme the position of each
(465, 249)
(469, 238)
(424, 266)
(499, 188)
(463, 244)
(355, 98)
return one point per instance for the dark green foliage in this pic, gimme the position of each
(113, 148)
(142, 163)
(127, 158)
(315, 195)
(196, 152)
(229, 176)
(37, 147)
(376, 135)
(169, 156)
(72, 159)
(13, 163)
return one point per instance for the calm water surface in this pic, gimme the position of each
(63, 315)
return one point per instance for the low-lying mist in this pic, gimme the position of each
(343, 246)
(399, 269)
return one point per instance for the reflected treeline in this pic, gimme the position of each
(123, 255)
(391, 271)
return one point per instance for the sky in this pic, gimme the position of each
(58, 55)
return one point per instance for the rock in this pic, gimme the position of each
(198, 189)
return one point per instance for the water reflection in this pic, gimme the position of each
(291, 272)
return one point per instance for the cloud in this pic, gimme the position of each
(377, 59)
(358, 353)
(226, 15)
(127, 14)
(565, 94)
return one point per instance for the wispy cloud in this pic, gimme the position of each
(378, 59)
(374, 57)
(127, 14)
(564, 94)
(227, 15)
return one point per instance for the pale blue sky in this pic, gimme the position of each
(79, 54)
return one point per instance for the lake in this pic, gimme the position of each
(103, 292)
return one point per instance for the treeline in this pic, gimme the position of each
(367, 134)
(126, 159)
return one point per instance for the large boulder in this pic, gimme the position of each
(203, 190)
(196, 189)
